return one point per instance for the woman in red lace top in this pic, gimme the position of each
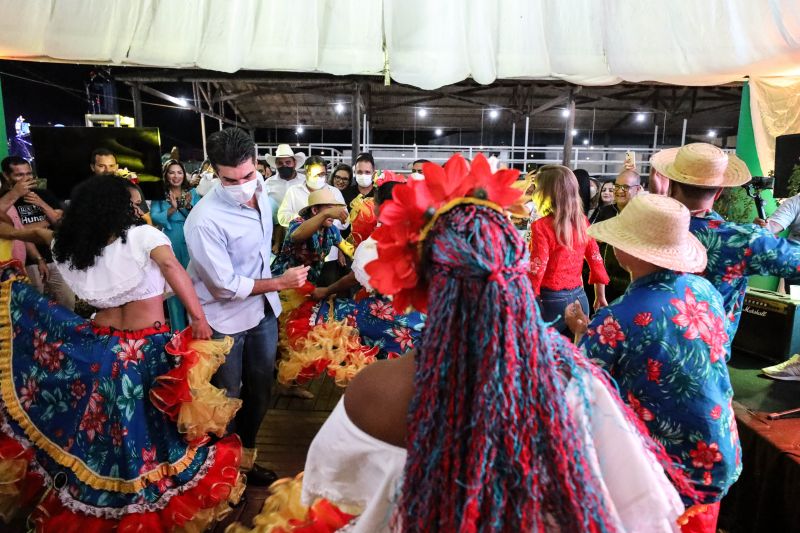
(559, 245)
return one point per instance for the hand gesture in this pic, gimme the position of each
(576, 319)
(201, 329)
(599, 302)
(23, 187)
(320, 293)
(44, 272)
(760, 222)
(294, 278)
(172, 201)
(338, 212)
(33, 198)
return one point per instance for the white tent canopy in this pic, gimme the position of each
(425, 43)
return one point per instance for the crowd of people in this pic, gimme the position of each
(484, 391)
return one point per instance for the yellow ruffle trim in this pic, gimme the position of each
(333, 345)
(211, 409)
(78, 467)
(283, 509)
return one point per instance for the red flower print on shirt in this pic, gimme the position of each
(78, 389)
(131, 352)
(381, 310)
(653, 370)
(748, 252)
(151, 463)
(642, 412)
(716, 412)
(117, 433)
(717, 340)
(692, 315)
(95, 368)
(734, 272)
(714, 224)
(707, 478)
(610, 332)
(705, 455)
(47, 354)
(643, 319)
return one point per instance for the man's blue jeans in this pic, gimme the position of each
(247, 374)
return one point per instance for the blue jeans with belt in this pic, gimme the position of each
(553, 303)
(247, 374)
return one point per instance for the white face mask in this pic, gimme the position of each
(364, 180)
(417, 176)
(243, 191)
(316, 183)
(208, 175)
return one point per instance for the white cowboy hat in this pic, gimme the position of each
(655, 229)
(322, 196)
(701, 165)
(284, 150)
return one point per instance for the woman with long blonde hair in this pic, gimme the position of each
(559, 245)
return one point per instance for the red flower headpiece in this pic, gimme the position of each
(414, 208)
(387, 176)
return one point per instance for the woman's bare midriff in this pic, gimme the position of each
(133, 315)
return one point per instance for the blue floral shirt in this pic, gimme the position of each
(665, 343)
(736, 251)
(311, 252)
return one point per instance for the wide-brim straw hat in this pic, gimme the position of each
(701, 165)
(284, 150)
(323, 196)
(655, 229)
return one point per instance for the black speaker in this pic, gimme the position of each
(787, 158)
(769, 327)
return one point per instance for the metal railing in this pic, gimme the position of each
(597, 160)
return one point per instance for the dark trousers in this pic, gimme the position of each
(248, 373)
(553, 303)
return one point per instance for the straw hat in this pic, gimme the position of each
(284, 150)
(701, 165)
(323, 196)
(655, 229)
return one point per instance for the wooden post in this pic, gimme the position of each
(565, 160)
(136, 95)
(355, 114)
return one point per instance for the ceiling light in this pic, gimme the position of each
(712, 133)
(586, 141)
(422, 112)
(402, 155)
(639, 117)
(565, 113)
(339, 108)
(183, 102)
(438, 131)
(299, 129)
(574, 133)
(494, 113)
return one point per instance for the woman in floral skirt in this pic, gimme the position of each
(99, 423)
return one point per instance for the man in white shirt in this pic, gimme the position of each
(786, 216)
(228, 235)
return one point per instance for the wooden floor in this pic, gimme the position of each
(283, 440)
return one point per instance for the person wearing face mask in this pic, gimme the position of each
(416, 169)
(297, 198)
(228, 235)
(286, 162)
(363, 172)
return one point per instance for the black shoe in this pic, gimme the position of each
(261, 477)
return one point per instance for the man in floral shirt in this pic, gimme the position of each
(665, 342)
(698, 172)
(311, 236)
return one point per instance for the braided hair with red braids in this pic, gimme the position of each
(492, 443)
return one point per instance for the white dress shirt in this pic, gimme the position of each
(229, 247)
(276, 187)
(788, 216)
(296, 198)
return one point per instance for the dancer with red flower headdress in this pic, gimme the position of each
(495, 422)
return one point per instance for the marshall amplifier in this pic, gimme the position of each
(769, 327)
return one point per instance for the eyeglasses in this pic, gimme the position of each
(624, 188)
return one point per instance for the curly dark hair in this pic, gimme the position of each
(99, 210)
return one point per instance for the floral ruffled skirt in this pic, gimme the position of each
(341, 336)
(108, 430)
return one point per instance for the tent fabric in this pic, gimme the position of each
(423, 43)
(775, 111)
